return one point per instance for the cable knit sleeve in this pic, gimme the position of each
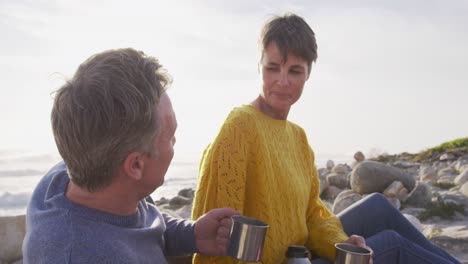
(223, 172)
(325, 229)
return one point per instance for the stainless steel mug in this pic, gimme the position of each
(352, 254)
(247, 238)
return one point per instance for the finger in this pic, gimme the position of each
(358, 240)
(221, 213)
(226, 222)
(221, 245)
(222, 241)
(223, 231)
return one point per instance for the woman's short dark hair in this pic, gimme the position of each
(292, 34)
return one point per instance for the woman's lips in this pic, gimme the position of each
(281, 95)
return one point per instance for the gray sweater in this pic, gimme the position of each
(60, 231)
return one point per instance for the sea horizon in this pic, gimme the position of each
(21, 170)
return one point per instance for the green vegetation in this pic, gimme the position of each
(434, 233)
(455, 146)
(441, 209)
(392, 158)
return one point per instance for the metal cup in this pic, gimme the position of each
(247, 238)
(351, 254)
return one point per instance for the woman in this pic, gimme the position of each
(262, 165)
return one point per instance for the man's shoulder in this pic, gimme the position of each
(47, 239)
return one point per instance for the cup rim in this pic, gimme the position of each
(249, 221)
(348, 245)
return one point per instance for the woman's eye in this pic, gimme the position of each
(296, 72)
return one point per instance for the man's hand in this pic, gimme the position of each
(212, 231)
(360, 242)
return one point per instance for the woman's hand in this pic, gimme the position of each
(360, 242)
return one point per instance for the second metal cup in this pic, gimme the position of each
(351, 254)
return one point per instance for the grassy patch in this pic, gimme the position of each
(386, 158)
(441, 209)
(434, 233)
(454, 146)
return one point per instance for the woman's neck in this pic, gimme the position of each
(261, 105)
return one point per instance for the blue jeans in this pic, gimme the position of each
(390, 235)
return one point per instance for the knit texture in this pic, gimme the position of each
(265, 168)
(60, 231)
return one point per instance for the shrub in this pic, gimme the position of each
(441, 209)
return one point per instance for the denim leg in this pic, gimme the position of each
(390, 248)
(375, 213)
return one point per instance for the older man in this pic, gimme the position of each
(114, 127)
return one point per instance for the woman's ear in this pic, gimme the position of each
(133, 165)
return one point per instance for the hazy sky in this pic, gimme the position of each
(391, 75)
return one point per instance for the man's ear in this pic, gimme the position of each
(133, 165)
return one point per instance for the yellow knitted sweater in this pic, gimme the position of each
(264, 168)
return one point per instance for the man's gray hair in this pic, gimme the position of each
(106, 111)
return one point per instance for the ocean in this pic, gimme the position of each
(20, 171)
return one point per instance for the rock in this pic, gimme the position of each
(323, 184)
(359, 156)
(461, 164)
(371, 176)
(405, 164)
(185, 211)
(464, 189)
(414, 211)
(338, 180)
(415, 221)
(396, 189)
(12, 231)
(344, 200)
(446, 180)
(453, 197)
(421, 196)
(169, 210)
(331, 192)
(330, 165)
(395, 202)
(449, 171)
(452, 236)
(179, 201)
(328, 205)
(161, 201)
(339, 168)
(428, 174)
(447, 156)
(462, 178)
(322, 173)
(187, 193)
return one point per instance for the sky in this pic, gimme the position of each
(391, 75)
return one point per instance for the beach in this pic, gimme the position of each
(416, 186)
(20, 171)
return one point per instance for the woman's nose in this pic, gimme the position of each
(283, 79)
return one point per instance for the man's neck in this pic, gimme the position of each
(113, 199)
